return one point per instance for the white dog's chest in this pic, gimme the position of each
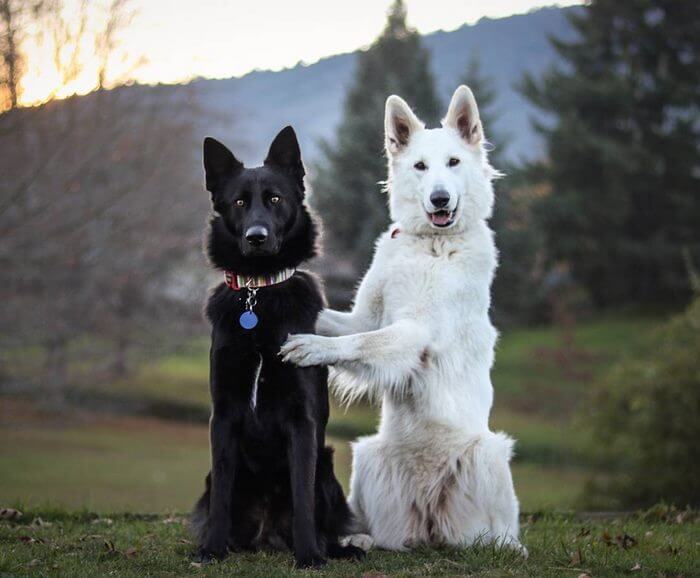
(437, 281)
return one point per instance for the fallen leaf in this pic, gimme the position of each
(107, 521)
(625, 541)
(30, 540)
(636, 567)
(607, 540)
(648, 534)
(576, 558)
(131, 551)
(10, 514)
(585, 575)
(196, 564)
(34, 562)
(110, 545)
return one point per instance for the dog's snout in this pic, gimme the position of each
(439, 198)
(256, 235)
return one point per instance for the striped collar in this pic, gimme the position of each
(238, 282)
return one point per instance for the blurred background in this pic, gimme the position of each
(593, 111)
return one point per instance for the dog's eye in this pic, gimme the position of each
(453, 162)
(240, 203)
(274, 200)
(420, 166)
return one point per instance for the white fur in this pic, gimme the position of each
(420, 339)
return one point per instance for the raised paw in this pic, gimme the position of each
(306, 350)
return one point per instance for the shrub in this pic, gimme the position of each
(646, 416)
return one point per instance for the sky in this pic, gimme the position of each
(176, 40)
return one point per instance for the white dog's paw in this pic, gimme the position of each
(361, 541)
(306, 350)
(517, 547)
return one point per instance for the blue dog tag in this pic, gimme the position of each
(248, 320)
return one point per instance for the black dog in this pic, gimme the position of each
(271, 482)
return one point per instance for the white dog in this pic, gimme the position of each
(419, 337)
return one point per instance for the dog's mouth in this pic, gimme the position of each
(442, 218)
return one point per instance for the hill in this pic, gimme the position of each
(252, 108)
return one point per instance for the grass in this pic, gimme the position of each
(150, 465)
(52, 542)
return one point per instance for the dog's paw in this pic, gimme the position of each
(306, 350)
(310, 561)
(206, 556)
(362, 541)
(518, 548)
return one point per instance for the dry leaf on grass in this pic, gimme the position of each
(10, 514)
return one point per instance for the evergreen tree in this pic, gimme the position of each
(348, 181)
(623, 166)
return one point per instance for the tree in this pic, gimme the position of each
(514, 287)
(96, 205)
(623, 149)
(14, 16)
(347, 184)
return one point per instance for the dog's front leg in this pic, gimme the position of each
(333, 323)
(228, 374)
(387, 357)
(302, 460)
(224, 455)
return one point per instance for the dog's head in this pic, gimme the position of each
(259, 213)
(439, 179)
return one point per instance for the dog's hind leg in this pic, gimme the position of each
(378, 499)
(489, 487)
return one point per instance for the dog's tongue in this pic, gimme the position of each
(440, 218)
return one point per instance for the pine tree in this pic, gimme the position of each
(347, 186)
(623, 150)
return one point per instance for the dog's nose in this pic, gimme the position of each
(256, 235)
(439, 198)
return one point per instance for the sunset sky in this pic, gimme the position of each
(176, 40)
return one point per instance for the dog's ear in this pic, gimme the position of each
(399, 124)
(285, 153)
(463, 115)
(219, 164)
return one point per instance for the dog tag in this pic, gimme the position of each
(248, 320)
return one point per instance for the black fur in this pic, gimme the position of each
(272, 483)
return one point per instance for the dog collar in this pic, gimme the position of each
(251, 283)
(239, 282)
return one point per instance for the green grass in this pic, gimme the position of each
(536, 371)
(150, 465)
(52, 542)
